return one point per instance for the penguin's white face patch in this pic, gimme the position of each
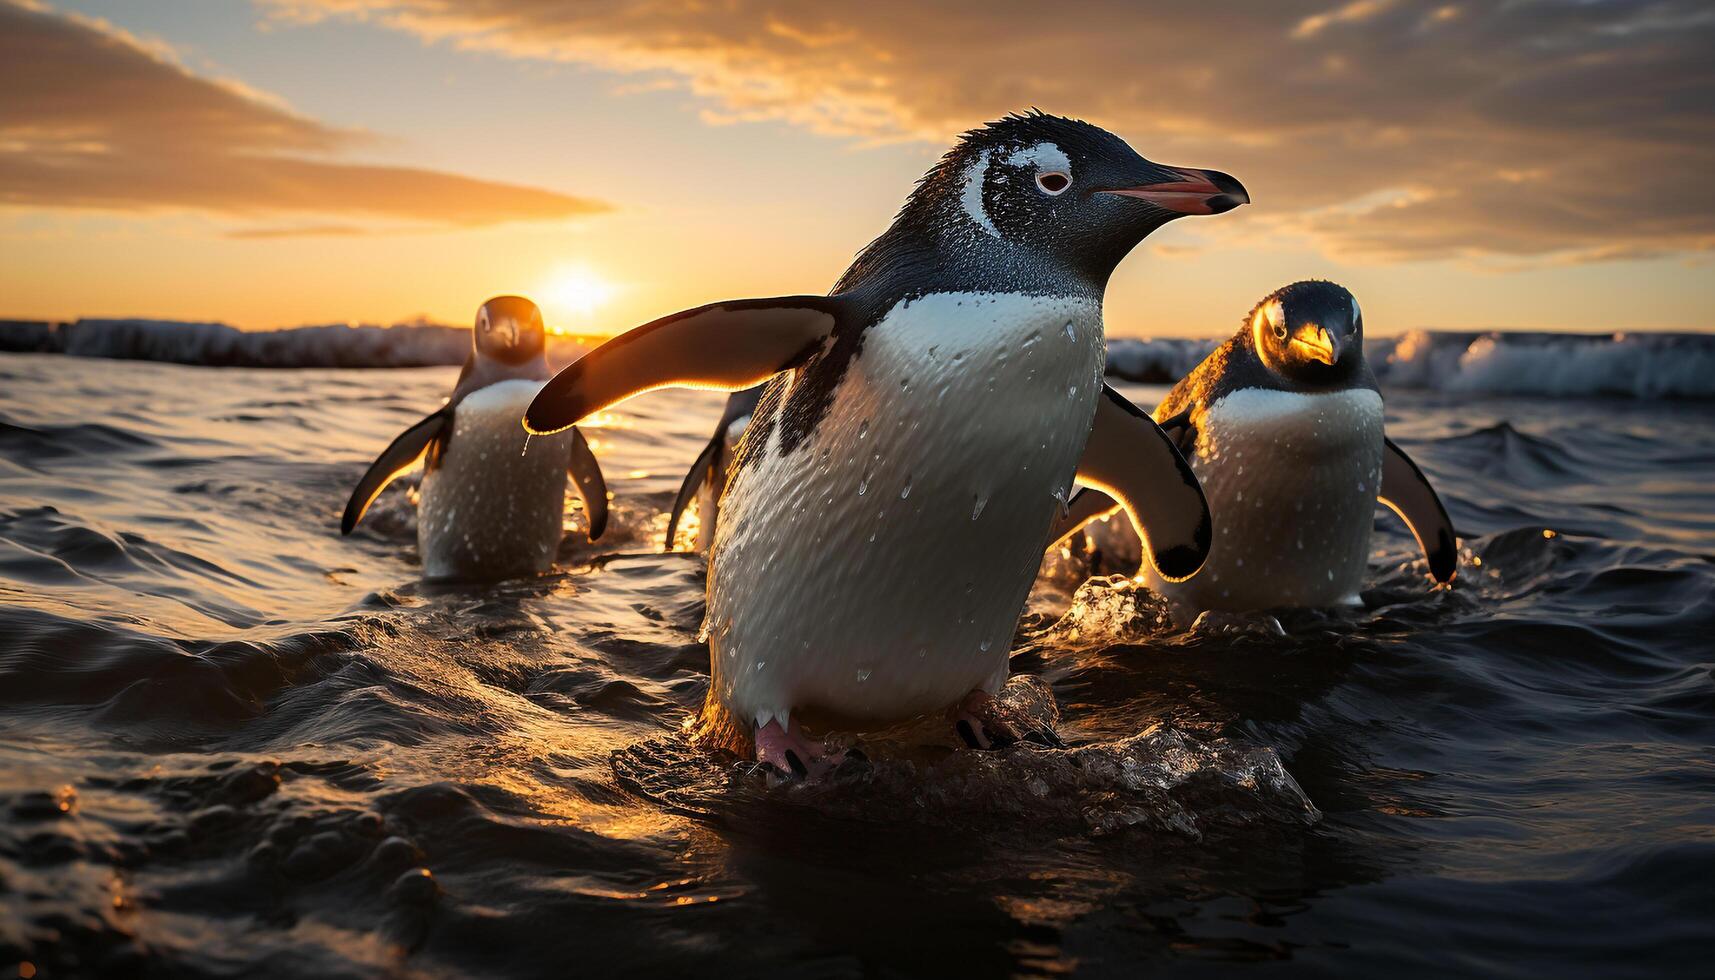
(1052, 172)
(1053, 167)
(1268, 327)
(972, 197)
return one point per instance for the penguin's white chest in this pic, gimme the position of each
(1291, 481)
(493, 507)
(878, 569)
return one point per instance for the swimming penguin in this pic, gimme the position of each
(1283, 426)
(492, 500)
(887, 509)
(708, 474)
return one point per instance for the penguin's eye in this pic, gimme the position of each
(482, 321)
(1053, 182)
(1280, 331)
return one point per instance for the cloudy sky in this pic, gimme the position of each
(1532, 164)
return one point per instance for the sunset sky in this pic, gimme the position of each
(1527, 165)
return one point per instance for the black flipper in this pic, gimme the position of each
(693, 480)
(1183, 433)
(1085, 506)
(586, 473)
(399, 456)
(1131, 459)
(1088, 504)
(711, 463)
(1407, 493)
(725, 346)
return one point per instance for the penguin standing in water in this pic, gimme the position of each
(888, 504)
(1283, 426)
(492, 500)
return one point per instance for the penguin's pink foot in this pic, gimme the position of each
(792, 753)
(985, 722)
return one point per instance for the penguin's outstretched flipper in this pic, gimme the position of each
(1132, 460)
(586, 473)
(699, 474)
(1407, 493)
(1085, 506)
(399, 456)
(723, 346)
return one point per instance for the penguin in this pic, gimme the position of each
(708, 474)
(492, 500)
(1283, 426)
(889, 501)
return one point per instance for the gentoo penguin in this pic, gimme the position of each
(492, 500)
(886, 513)
(1283, 426)
(708, 473)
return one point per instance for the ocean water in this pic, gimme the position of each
(232, 742)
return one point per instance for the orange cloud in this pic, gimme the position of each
(95, 118)
(1607, 110)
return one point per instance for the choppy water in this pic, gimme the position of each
(231, 741)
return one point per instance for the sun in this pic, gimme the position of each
(570, 295)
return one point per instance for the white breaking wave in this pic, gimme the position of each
(1160, 361)
(336, 345)
(220, 345)
(1642, 365)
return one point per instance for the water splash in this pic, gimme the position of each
(1161, 780)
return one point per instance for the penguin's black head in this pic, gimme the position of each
(1311, 332)
(1068, 193)
(509, 329)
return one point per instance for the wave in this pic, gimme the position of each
(1157, 361)
(1645, 366)
(220, 345)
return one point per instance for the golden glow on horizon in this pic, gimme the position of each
(571, 295)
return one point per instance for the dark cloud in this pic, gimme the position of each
(93, 117)
(1383, 129)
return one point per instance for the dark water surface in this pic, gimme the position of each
(232, 742)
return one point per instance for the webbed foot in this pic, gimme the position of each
(792, 754)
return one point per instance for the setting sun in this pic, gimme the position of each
(570, 295)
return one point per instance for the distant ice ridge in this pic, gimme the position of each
(1642, 365)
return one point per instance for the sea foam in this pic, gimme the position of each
(1627, 365)
(1640, 365)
